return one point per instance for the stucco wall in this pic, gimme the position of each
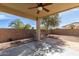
(72, 32)
(14, 34)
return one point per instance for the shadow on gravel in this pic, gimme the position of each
(36, 48)
(48, 45)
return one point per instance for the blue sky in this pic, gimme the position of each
(6, 19)
(66, 17)
(69, 16)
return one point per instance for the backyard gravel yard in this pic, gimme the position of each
(55, 45)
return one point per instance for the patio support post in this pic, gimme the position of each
(38, 31)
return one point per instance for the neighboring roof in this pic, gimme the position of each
(75, 23)
(21, 9)
(71, 24)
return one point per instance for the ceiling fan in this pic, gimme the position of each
(40, 7)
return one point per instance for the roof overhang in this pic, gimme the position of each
(21, 9)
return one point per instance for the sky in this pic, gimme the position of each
(66, 17)
(6, 19)
(69, 16)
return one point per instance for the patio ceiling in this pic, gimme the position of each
(21, 9)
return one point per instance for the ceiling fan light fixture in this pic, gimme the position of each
(40, 8)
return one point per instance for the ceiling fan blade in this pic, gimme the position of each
(33, 7)
(46, 4)
(38, 5)
(45, 9)
(38, 12)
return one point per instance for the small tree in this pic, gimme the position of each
(17, 24)
(27, 26)
(50, 21)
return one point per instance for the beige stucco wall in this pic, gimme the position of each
(74, 32)
(14, 34)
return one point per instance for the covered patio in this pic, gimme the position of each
(22, 9)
